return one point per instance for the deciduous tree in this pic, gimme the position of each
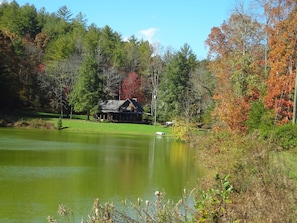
(58, 80)
(282, 61)
(235, 48)
(131, 87)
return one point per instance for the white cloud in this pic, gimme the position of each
(125, 38)
(148, 34)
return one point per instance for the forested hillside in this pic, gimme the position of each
(55, 61)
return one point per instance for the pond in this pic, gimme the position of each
(40, 169)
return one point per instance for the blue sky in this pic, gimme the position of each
(171, 23)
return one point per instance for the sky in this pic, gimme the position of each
(167, 23)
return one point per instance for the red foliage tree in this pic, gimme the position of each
(131, 87)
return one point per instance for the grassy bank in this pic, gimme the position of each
(263, 179)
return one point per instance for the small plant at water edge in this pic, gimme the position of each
(212, 205)
(183, 130)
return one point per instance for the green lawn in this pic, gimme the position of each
(75, 125)
(79, 123)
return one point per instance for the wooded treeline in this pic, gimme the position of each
(254, 61)
(56, 62)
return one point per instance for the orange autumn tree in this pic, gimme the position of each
(282, 61)
(235, 48)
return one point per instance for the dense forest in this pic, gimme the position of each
(56, 62)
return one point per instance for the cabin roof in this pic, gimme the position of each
(120, 105)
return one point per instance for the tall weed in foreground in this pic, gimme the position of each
(262, 191)
(212, 205)
(161, 210)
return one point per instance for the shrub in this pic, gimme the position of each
(34, 123)
(21, 123)
(2, 123)
(285, 136)
(183, 130)
(260, 118)
(59, 124)
(206, 117)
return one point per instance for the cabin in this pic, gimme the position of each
(128, 111)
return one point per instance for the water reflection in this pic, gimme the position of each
(41, 169)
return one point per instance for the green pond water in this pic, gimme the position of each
(40, 169)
